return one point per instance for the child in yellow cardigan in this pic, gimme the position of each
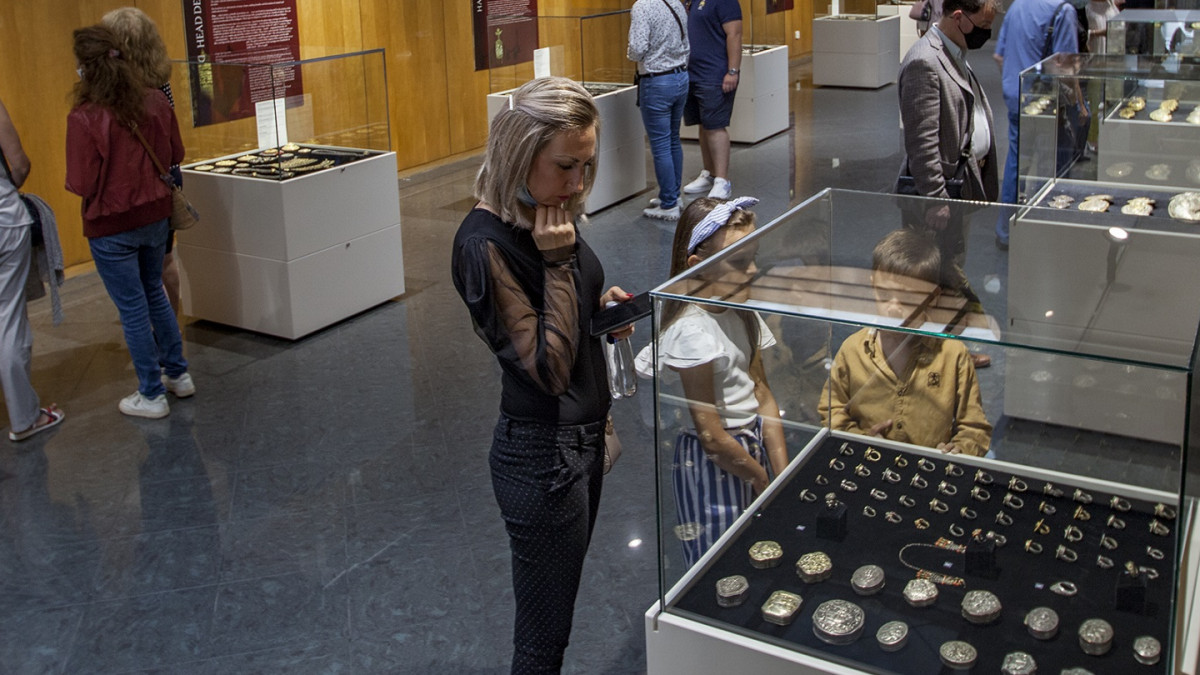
(900, 386)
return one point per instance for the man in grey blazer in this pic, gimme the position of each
(944, 110)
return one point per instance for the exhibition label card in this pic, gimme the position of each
(272, 123)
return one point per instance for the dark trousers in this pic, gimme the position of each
(547, 481)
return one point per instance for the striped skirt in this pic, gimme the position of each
(707, 499)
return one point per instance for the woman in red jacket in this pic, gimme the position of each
(125, 209)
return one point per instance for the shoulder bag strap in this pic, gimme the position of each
(682, 35)
(162, 173)
(7, 171)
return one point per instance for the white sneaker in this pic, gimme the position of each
(181, 386)
(136, 405)
(703, 183)
(661, 213)
(721, 189)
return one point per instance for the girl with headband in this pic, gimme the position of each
(735, 446)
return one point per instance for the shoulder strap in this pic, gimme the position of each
(154, 158)
(675, 16)
(7, 171)
(1049, 41)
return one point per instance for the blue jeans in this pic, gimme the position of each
(1008, 186)
(130, 264)
(662, 100)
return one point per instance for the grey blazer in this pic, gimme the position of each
(935, 108)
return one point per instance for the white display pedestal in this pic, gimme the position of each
(622, 150)
(908, 27)
(680, 645)
(1095, 308)
(856, 53)
(287, 258)
(761, 106)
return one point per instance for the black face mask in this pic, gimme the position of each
(978, 37)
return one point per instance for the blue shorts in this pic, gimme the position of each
(708, 106)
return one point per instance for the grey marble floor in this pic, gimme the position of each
(324, 505)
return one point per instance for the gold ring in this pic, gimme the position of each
(1047, 509)
(1163, 511)
(1017, 485)
(956, 530)
(980, 494)
(861, 470)
(849, 486)
(953, 469)
(1041, 527)
(1154, 553)
(969, 514)
(925, 465)
(918, 482)
(900, 462)
(1108, 542)
(1032, 546)
(983, 478)
(1159, 529)
(1114, 522)
(868, 511)
(836, 464)
(907, 501)
(872, 455)
(1118, 504)
(938, 506)
(891, 476)
(1082, 514)
(892, 517)
(879, 494)
(808, 495)
(1081, 497)
(1064, 553)
(1104, 563)
(1004, 519)
(1013, 502)
(947, 489)
(921, 524)
(821, 480)
(846, 450)
(1050, 491)
(1073, 534)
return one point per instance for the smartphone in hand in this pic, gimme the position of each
(621, 314)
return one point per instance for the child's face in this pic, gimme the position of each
(729, 279)
(896, 296)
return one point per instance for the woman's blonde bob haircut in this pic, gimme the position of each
(141, 45)
(536, 112)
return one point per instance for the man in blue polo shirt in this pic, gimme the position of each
(715, 32)
(1032, 30)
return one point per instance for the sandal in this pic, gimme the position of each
(53, 413)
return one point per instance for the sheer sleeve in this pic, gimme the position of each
(541, 344)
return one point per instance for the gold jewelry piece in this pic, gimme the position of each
(1073, 534)
(1081, 513)
(861, 470)
(1041, 527)
(980, 494)
(831, 500)
(983, 478)
(837, 464)
(1004, 519)
(892, 517)
(1159, 529)
(956, 530)
(1147, 650)
(849, 485)
(1047, 509)
(879, 494)
(765, 554)
(226, 162)
(925, 465)
(732, 590)
(1108, 542)
(202, 167)
(918, 482)
(920, 592)
(907, 501)
(821, 480)
(1081, 497)
(1160, 115)
(1154, 553)
(1050, 491)
(289, 147)
(967, 513)
(1017, 485)
(921, 524)
(846, 449)
(947, 489)
(1033, 547)
(1119, 504)
(1114, 522)
(1064, 553)
(1163, 511)
(872, 455)
(1066, 588)
(1013, 502)
(980, 607)
(1094, 205)
(1185, 206)
(868, 511)
(1103, 562)
(891, 476)
(814, 567)
(953, 469)
(1042, 623)
(900, 462)
(808, 495)
(780, 609)
(1150, 572)
(938, 506)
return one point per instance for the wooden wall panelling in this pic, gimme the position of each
(466, 88)
(413, 33)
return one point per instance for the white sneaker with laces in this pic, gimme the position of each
(721, 189)
(660, 213)
(181, 386)
(703, 183)
(136, 405)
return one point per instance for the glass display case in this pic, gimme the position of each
(590, 50)
(290, 168)
(277, 121)
(1154, 32)
(1122, 126)
(1069, 543)
(856, 43)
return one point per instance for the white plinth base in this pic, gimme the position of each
(848, 53)
(622, 149)
(287, 258)
(761, 107)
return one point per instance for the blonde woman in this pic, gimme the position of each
(143, 49)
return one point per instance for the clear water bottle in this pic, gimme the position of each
(618, 356)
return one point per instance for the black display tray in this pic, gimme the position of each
(1158, 220)
(274, 167)
(1023, 582)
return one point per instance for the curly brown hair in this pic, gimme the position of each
(106, 79)
(141, 45)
